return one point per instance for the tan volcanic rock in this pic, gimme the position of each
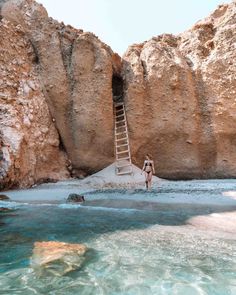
(76, 71)
(161, 107)
(28, 138)
(180, 97)
(179, 94)
(211, 48)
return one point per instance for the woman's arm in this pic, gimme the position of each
(143, 167)
(153, 168)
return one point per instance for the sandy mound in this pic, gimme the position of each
(108, 178)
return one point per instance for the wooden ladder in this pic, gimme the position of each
(122, 148)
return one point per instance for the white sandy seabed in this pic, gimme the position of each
(107, 185)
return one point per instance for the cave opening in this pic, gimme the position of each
(117, 88)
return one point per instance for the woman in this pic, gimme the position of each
(149, 169)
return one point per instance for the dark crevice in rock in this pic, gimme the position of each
(144, 66)
(36, 58)
(70, 68)
(117, 88)
(61, 145)
(63, 55)
(66, 49)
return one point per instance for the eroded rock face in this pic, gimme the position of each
(179, 93)
(63, 69)
(211, 49)
(161, 107)
(29, 141)
(76, 71)
(180, 98)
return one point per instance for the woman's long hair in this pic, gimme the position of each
(149, 156)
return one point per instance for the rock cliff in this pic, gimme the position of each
(76, 71)
(72, 77)
(180, 98)
(56, 91)
(30, 147)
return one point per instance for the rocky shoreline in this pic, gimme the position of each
(216, 199)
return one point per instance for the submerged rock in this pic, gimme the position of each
(4, 198)
(4, 210)
(57, 258)
(75, 198)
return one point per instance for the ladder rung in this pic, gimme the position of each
(120, 116)
(124, 144)
(125, 172)
(121, 121)
(118, 146)
(121, 159)
(119, 110)
(120, 139)
(123, 124)
(121, 127)
(119, 113)
(120, 133)
(119, 104)
(124, 165)
(122, 152)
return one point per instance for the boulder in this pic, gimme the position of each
(76, 198)
(4, 197)
(57, 258)
(4, 210)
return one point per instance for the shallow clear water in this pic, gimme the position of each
(131, 251)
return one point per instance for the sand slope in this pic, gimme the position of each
(108, 178)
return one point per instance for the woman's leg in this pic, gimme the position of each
(146, 179)
(150, 180)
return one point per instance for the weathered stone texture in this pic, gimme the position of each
(29, 141)
(75, 71)
(56, 87)
(180, 96)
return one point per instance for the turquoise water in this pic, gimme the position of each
(131, 251)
